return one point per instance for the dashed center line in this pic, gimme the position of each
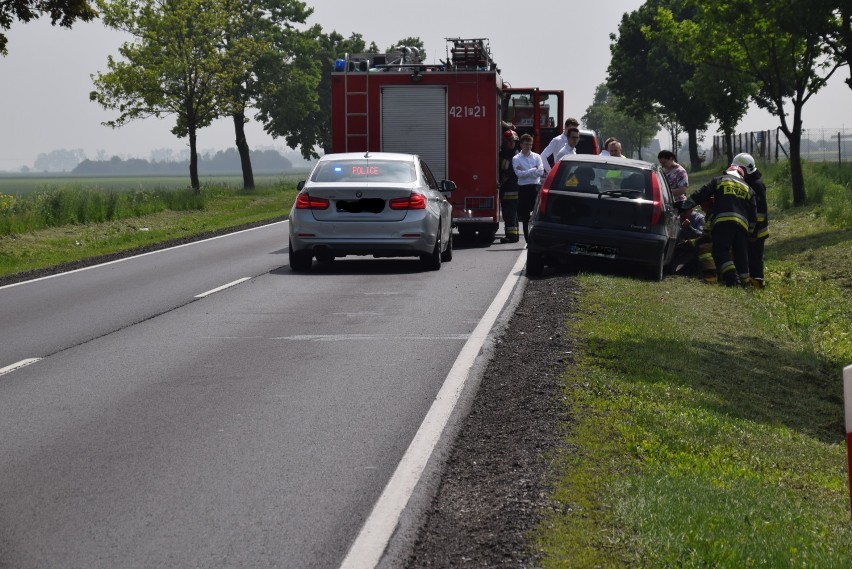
(223, 287)
(18, 365)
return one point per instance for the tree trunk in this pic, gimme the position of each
(193, 161)
(797, 178)
(729, 146)
(794, 137)
(694, 158)
(243, 148)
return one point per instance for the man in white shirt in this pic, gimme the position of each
(529, 167)
(557, 143)
(607, 142)
(573, 139)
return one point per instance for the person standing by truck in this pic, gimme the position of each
(509, 187)
(558, 143)
(529, 168)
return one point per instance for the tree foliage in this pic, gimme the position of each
(296, 101)
(62, 12)
(719, 79)
(608, 117)
(779, 45)
(260, 40)
(648, 73)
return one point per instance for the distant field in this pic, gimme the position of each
(19, 185)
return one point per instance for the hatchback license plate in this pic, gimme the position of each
(593, 250)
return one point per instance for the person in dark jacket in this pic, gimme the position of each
(758, 236)
(734, 217)
(509, 187)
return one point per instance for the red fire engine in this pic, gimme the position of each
(452, 114)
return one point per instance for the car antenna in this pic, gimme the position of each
(367, 154)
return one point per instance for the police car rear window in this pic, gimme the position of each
(365, 171)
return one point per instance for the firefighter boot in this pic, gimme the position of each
(512, 235)
(729, 274)
(757, 284)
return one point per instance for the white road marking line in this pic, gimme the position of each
(18, 365)
(342, 337)
(223, 287)
(140, 255)
(367, 549)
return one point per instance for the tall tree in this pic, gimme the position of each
(260, 41)
(719, 80)
(174, 67)
(646, 72)
(779, 44)
(62, 12)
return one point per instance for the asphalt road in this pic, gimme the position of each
(252, 427)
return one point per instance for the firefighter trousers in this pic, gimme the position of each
(526, 201)
(755, 259)
(509, 208)
(731, 239)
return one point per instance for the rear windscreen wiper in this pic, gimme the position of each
(621, 193)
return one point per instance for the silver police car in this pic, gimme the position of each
(374, 203)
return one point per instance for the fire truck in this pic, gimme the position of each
(452, 114)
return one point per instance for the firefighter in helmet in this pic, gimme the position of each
(734, 217)
(758, 236)
(509, 187)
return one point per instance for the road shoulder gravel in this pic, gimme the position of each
(494, 488)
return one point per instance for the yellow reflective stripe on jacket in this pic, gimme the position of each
(729, 216)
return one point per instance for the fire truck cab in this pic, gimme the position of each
(452, 114)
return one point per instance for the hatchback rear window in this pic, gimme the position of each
(364, 171)
(602, 178)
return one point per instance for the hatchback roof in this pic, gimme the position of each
(598, 159)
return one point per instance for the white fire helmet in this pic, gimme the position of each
(746, 161)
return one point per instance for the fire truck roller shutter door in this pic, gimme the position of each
(414, 120)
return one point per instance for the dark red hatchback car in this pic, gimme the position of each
(605, 208)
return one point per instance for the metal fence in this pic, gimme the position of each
(818, 145)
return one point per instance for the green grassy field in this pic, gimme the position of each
(108, 221)
(708, 422)
(19, 185)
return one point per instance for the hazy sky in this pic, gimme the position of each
(45, 80)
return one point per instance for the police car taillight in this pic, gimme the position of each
(414, 201)
(306, 201)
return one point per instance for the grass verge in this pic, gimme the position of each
(222, 207)
(707, 422)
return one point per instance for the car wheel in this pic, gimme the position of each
(432, 261)
(300, 260)
(535, 264)
(447, 255)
